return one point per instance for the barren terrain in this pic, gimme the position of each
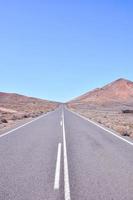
(111, 106)
(15, 108)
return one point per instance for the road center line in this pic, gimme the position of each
(66, 174)
(57, 170)
(61, 122)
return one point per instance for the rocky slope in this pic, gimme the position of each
(15, 107)
(111, 105)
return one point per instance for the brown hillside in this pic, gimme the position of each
(111, 105)
(14, 107)
(120, 90)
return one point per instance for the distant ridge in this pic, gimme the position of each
(15, 107)
(23, 103)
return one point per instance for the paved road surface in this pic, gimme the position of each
(61, 156)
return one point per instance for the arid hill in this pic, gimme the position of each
(111, 105)
(120, 90)
(14, 107)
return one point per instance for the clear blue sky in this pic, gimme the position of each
(60, 49)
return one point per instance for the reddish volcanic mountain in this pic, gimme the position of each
(120, 90)
(111, 106)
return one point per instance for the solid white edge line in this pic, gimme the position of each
(106, 130)
(66, 174)
(57, 170)
(12, 130)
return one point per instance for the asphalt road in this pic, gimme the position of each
(62, 156)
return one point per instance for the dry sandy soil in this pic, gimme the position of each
(15, 108)
(111, 106)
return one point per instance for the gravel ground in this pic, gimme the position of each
(111, 118)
